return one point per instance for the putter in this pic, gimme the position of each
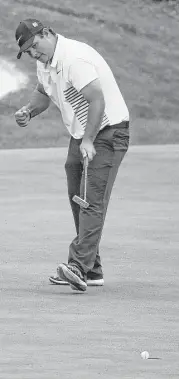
(82, 202)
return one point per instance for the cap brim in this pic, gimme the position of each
(25, 46)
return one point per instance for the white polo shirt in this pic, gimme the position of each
(74, 65)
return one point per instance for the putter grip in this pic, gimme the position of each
(85, 176)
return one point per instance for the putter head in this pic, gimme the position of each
(80, 201)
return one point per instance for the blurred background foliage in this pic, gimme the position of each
(139, 40)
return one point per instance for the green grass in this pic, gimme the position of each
(139, 39)
(52, 332)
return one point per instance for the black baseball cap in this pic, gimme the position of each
(26, 32)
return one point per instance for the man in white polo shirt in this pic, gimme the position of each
(81, 84)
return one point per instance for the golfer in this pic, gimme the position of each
(79, 81)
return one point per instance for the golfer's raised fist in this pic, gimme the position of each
(22, 116)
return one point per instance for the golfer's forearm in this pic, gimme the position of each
(38, 103)
(95, 116)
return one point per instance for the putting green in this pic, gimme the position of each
(49, 331)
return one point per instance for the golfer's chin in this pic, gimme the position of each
(43, 58)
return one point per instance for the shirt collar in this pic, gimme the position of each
(59, 51)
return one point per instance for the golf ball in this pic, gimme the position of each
(145, 355)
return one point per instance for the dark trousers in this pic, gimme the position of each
(111, 144)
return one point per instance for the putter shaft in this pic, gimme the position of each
(82, 202)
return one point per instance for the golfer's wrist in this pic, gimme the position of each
(88, 138)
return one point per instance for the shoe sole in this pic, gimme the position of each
(90, 282)
(95, 283)
(75, 282)
(59, 282)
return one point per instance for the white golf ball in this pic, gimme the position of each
(145, 355)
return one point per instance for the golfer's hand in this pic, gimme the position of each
(22, 117)
(87, 149)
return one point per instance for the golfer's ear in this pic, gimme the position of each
(45, 32)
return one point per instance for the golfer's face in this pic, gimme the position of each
(40, 49)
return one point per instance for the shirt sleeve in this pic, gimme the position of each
(81, 73)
